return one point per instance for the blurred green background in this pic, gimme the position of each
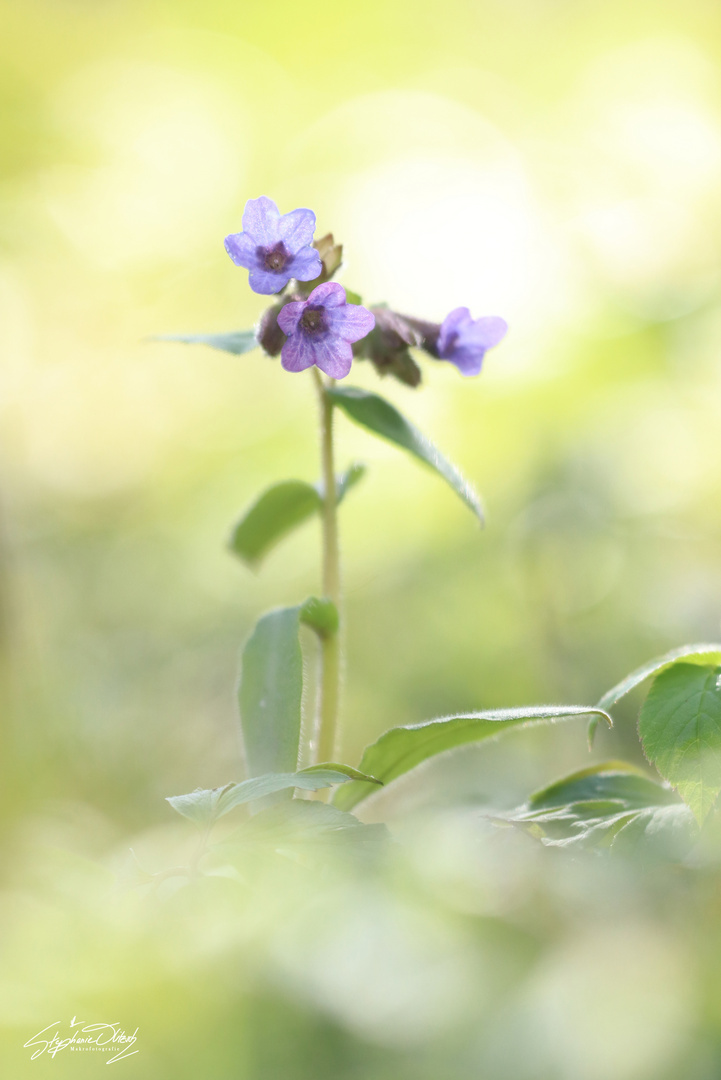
(555, 163)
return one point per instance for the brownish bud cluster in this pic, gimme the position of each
(387, 346)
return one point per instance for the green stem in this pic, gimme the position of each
(330, 645)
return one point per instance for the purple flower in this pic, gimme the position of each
(321, 330)
(464, 340)
(275, 247)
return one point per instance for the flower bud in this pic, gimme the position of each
(387, 346)
(331, 255)
(270, 336)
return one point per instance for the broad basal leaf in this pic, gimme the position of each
(237, 342)
(402, 748)
(379, 416)
(680, 728)
(705, 653)
(270, 692)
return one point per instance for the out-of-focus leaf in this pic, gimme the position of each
(270, 692)
(402, 748)
(281, 509)
(347, 480)
(379, 416)
(705, 653)
(303, 821)
(278, 511)
(610, 780)
(611, 806)
(199, 806)
(680, 728)
(236, 342)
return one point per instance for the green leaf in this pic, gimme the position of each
(706, 653)
(199, 806)
(353, 297)
(237, 342)
(379, 416)
(347, 480)
(613, 806)
(348, 771)
(278, 511)
(270, 692)
(680, 728)
(402, 748)
(321, 616)
(313, 779)
(615, 780)
(281, 509)
(205, 806)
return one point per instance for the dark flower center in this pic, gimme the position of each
(312, 320)
(275, 258)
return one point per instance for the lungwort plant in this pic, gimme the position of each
(316, 325)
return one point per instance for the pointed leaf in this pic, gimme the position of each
(348, 771)
(402, 748)
(237, 341)
(270, 692)
(198, 806)
(347, 480)
(321, 776)
(205, 806)
(278, 511)
(379, 416)
(680, 728)
(706, 653)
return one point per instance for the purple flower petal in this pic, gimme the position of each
(468, 361)
(242, 250)
(330, 295)
(298, 353)
(334, 357)
(488, 331)
(306, 265)
(320, 330)
(463, 341)
(351, 322)
(289, 316)
(296, 229)
(261, 218)
(267, 281)
(451, 326)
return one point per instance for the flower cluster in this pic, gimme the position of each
(315, 324)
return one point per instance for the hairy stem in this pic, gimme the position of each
(330, 644)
